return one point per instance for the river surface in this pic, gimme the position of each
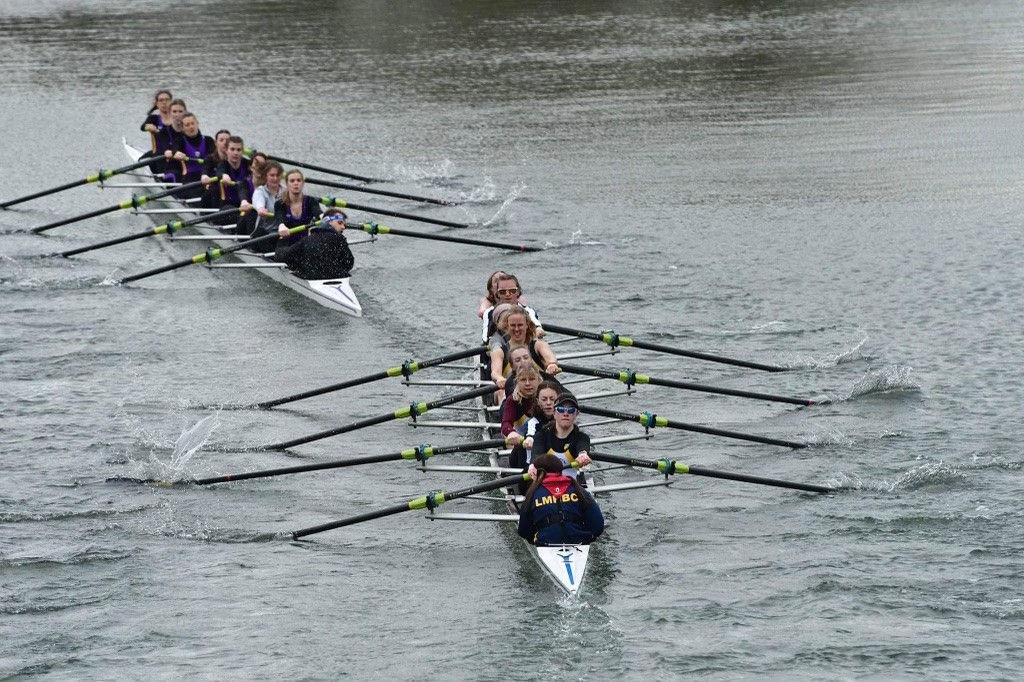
(829, 187)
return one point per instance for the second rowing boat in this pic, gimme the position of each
(336, 294)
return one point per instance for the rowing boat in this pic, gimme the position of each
(335, 294)
(564, 565)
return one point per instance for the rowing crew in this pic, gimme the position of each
(538, 418)
(269, 199)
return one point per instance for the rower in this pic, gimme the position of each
(158, 125)
(211, 193)
(323, 254)
(556, 509)
(563, 439)
(520, 330)
(519, 355)
(295, 207)
(219, 153)
(190, 149)
(519, 404)
(177, 111)
(235, 180)
(264, 197)
(507, 290)
(543, 414)
(490, 298)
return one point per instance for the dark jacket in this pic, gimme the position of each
(558, 517)
(322, 254)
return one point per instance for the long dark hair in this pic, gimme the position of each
(550, 464)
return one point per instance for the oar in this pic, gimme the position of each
(98, 176)
(614, 340)
(420, 452)
(650, 420)
(213, 254)
(412, 410)
(341, 203)
(134, 202)
(167, 228)
(405, 370)
(668, 467)
(381, 192)
(330, 171)
(630, 377)
(375, 229)
(428, 501)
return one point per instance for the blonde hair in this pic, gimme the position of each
(522, 373)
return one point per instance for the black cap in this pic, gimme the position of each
(567, 398)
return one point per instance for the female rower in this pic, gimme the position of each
(264, 197)
(490, 299)
(158, 123)
(508, 290)
(542, 413)
(520, 331)
(257, 164)
(495, 341)
(557, 510)
(520, 402)
(562, 438)
(211, 196)
(518, 356)
(295, 208)
(190, 150)
(177, 110)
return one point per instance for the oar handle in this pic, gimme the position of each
(341, 203)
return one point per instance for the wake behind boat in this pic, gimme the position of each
(335, 294)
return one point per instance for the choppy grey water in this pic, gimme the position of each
(833, 187)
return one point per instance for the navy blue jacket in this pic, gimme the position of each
(557, 517)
